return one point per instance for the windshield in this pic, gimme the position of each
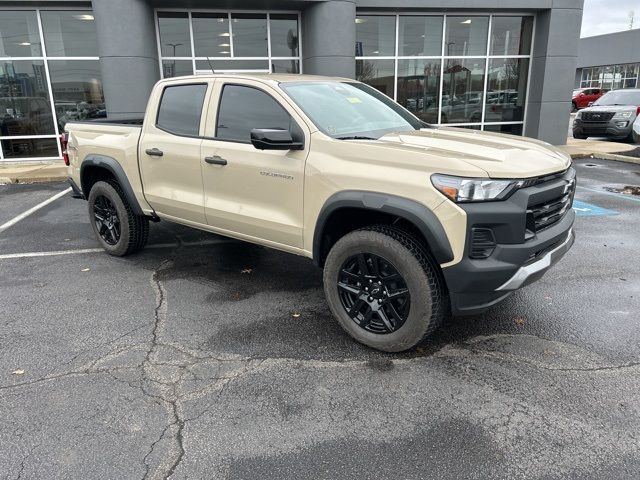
(620, 97)
(350, 110)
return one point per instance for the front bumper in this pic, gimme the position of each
(609, 129)
(520, 257)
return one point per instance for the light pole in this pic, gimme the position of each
(174, 45)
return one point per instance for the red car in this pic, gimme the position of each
(582, 97)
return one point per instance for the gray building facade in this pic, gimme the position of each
(496, 65)
(609, 61)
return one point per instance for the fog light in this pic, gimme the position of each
(622, 124)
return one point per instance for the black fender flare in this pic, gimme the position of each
(112, 165)
(416, 213)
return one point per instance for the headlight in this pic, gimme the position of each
(628, 114)
(461, 190)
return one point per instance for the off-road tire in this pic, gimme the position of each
(134, 229)
(429, 299)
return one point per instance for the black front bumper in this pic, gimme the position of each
(602, 129)
(521, 254)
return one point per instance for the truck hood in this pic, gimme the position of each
(499, 155)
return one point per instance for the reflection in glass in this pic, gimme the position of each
(466, 36)
(175, 40)
(510, 129)
(77, 90)
(30, 148)
(249, 35)
(419, 88)
(233, 65)
(25, 108)
(463, 86)
(511, 35)
(421, 36)
(176, 68)
(211, 35)
(19, 36)
(284, 35)
(379, 74)
(375, 35)
(285, 66)
(69, 33)
(506, 90)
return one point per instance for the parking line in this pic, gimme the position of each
(24, 215)
(99, 250)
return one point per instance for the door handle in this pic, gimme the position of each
(216, 160)
(154, 152)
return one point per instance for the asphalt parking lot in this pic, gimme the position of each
(203, 357)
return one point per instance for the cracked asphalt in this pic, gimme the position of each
(203, 357)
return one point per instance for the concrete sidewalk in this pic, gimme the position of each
(55, 171)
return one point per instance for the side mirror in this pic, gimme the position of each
(274, 139)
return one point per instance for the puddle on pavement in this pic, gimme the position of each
(626, 190)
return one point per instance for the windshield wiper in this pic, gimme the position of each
(356, 137)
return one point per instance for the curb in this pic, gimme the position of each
(607, 156)
(23, 180)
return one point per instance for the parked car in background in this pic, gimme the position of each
(583, 97)
(612, 115)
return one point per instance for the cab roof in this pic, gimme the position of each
(269, 77)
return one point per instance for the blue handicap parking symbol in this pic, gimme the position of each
(584, 209)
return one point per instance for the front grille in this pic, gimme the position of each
(550, 212)
(599, 117)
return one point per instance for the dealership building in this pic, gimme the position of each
(495, 65)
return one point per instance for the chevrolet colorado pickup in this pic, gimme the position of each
(410, 222)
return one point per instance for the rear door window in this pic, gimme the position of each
(180, 109)
(244, 108)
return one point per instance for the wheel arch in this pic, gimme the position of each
(388, 208)
(95, 168)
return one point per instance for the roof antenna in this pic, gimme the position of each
(210, 65)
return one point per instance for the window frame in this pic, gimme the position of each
(443, 57)
(202, 110)
(238, 84)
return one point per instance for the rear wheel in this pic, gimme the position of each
(384, 288)
(119, 230)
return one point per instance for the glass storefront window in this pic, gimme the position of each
(380, 74)
(506, 90)
(175, 39)
(420, 36)
(511, 129)
(375, 35)
(77, 90)
(69, 33)
(29, 148)
(466, 36)
(233, 65)
(211, 35)
(462, 90)
(419, 88)
(284, 35)
(176, 68)
(19, 35)
(285, 66)
(25, 108)
(249, 35)
(511, 35)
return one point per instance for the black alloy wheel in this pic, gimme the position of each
(106, 220)
(373, 293)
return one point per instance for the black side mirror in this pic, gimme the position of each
(274, 139)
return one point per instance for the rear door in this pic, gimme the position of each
(169, 151)
(256, 194)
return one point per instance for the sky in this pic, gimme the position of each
(607, 16)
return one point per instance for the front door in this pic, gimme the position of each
(170, 155)
(255, 194)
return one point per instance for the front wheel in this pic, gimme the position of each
(384, 288)
(119, 230)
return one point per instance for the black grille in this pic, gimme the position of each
(546, 214)
(483, 243)
(597, 116)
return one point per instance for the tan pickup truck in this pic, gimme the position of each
(410, 222)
